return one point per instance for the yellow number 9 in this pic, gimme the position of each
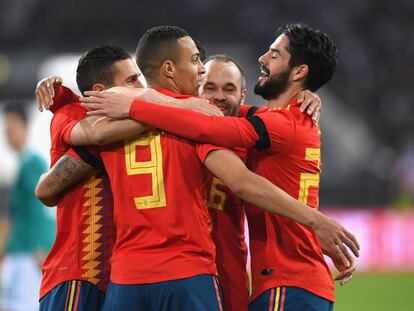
(153, 167)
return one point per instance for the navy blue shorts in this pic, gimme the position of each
(73, 295)
(200, 292)
(289, 299)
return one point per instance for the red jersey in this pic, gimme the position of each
(85, 230)
(163, 227)
(284, 253)
(227, 218)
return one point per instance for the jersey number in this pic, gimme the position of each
(216, 193)
(153, 167)
(308, 179)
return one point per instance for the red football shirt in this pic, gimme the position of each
(85, 230)
(284, 253)
(163, 226)
(227, 218)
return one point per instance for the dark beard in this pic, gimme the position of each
(274, 86)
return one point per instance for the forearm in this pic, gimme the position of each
(43, 194)
(153, 96)
(263, 194)
(64, 174)
(103, 131)
(223, 131)
(257, 190)
(106, 131)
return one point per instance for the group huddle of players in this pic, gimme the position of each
(143, 225)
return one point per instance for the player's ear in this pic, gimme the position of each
(168, 69)
(300, 72)
(98, 87)
(243, 96)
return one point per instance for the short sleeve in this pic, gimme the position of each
(244, 110)
(63, 122)
(203, 151)
(63, 96)
(280, 128)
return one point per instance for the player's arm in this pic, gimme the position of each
(115, 102)
(102, 131)
(260, 192)
(224, 131)
(67, 172)
(309, 102)
(234, 132)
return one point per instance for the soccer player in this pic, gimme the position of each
(225, 87)
(76, 271)
(288, 268)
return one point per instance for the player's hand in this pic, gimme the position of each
(345, 271)
(201, 106)
(113, 103)
(335, 240)
(311, 103)
(46, 90)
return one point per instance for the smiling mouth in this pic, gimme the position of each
(222, 107)
(264, 72)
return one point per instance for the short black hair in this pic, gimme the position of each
(95, 66)
(157, 45)
(17, 107)
(228, 59)
(313, 48)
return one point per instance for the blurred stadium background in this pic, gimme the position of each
(368, 129)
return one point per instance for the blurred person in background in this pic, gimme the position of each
(32, 230)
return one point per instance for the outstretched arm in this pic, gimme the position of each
(223, 131)
(115, 102)
(259, 191)
(234, 132)
(67, 172)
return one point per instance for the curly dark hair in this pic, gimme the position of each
(313, 48)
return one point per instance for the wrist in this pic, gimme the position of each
(315, 219)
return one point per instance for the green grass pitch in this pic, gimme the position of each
(376, 292)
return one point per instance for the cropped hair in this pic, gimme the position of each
(228, 59)
(157, 45)
(96, 66)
